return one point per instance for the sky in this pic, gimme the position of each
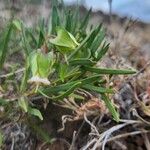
(137, 9)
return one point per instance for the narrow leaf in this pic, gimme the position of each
(85, 21)
(111, 108)
(23, 104)
(101, 52)
(68, 92)
(35, 112)
(4, 46)
(82, 61)
(97, 89)
(109, 71)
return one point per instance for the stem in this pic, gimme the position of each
(37, 87)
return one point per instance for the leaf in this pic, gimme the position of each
(84, 23)
(93, 36)
(35, 112)
(97, 41)
(109, 71)
(66, 86)
(25, 42)
(64, 41)
(88, 40)
(90, 79)
(63, 71)
(68, 23)
(55, 19)
(1, 139)
(31, 35)
(68, 92)
(41, 34)
(23, 104)
(101, 51)
(41, 65)
(41, 132)
(75, 20)
(44, 64)
(3, 102)
(111, 108)
(4, 45)
(82, 61)
(97, 89)
(25, 77)
(33, 63)
(17, 24)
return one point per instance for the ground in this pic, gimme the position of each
(90, 126)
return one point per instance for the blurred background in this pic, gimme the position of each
(136, 9)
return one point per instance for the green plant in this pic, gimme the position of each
(59, 58)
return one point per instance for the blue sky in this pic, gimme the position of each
(137, 9)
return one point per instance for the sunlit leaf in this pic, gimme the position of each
(17, 24)
(23, 103)
(64, 41)
(35, 112)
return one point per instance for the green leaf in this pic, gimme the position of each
(63, 71)
(97, 41)
(111, 108)
(82, 61)
(33, 62)
(66, 86)
(97, 89)
(35, 112)
(4, 45)
(87, 41)
(109, 71)
(26, 45)
(41, 34)
(41, 132)
(101, 51)
(44, 64)
(17, 24)
(93, 36)
(3, 102)
(23, 103)
(64, 41)
(75, 20)
(25, 77)
(90, 79)
(68, 92)
(68, 23)
(33, 38)
(1, 139)
(41, 64)
(85, 21)
(55, 19)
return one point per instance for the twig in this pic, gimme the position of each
(104, 137)
(92, 125)
(146, 141)
(135, 113)
(89, 144)
(124, 135)
(12, 73)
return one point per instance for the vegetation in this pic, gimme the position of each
(56, 59)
